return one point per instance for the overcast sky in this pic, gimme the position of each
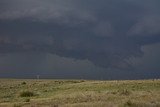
(89, 39)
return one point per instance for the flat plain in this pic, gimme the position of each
(79, 93)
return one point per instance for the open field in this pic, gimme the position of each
(79, 93)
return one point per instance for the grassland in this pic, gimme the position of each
(79, 93)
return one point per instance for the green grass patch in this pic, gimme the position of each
(27, 94)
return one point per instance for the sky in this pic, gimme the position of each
(80, 39)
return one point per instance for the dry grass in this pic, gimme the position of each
(80, 93)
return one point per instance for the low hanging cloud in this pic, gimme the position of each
(104, 29)
(106, 32)
(147, 26)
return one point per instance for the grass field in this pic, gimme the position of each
(79, 93)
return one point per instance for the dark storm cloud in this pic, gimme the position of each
(106, 32)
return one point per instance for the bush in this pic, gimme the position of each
(124, 92)
(26, 94)
(17, 105)
(128, 104)
(23, 83)
(27, 100)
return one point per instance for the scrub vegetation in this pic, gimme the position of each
(79, 93)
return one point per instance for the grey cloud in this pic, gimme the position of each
(104, 29)
(97, 31)
(149, 61)
(45, 11)
(147, 26)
